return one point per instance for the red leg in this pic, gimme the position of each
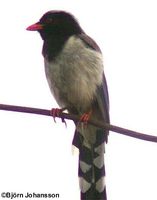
(85, 117)
(55, 112)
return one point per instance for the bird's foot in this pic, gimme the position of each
(56, 112)
(85, 118)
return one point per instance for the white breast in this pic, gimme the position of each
(75, 74)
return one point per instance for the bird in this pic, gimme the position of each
(75, 73)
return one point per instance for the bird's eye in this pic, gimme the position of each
(49, 20)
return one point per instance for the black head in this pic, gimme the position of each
(56, 23)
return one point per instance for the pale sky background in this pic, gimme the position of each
(35, 152)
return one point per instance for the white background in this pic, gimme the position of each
(35, 152)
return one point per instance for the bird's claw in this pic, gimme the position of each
(63, 121)
(85, 118)
(56, 112)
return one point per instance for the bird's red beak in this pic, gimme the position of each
(35, 27)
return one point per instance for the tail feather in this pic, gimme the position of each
(93, 194)
(91, 168)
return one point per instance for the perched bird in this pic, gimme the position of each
(74, 71)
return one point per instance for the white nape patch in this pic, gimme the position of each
(100, 184)
(99, 161)
(84, 185)
(84, 166)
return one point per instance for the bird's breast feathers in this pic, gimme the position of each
(74, 75)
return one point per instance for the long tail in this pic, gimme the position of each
(91, 168)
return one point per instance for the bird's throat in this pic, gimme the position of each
(53, 46)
